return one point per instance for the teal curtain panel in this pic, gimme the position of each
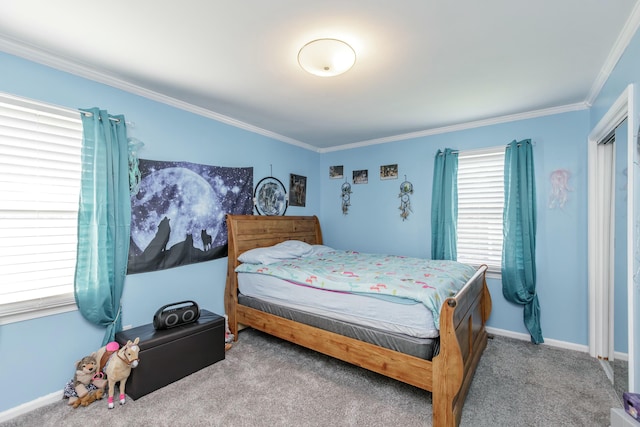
(104, 220)
(519, 228)
(444, 206)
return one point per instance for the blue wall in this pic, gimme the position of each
(168, 134)
(372, 224)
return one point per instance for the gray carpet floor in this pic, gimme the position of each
(264, 381)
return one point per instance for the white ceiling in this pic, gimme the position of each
(423, 66)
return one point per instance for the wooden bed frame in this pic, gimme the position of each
(462, 322)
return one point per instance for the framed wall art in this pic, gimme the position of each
(361, 176)
(297, 190)
(336, 172)
(389, 171)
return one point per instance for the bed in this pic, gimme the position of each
(443, 365)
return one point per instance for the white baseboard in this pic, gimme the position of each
(621, 356)
(550, 342)
(547, 341)
(30, 406)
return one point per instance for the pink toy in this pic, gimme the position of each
(112, 346)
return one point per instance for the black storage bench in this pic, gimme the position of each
(169, 355)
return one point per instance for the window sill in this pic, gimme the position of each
(28, 310)
(494, 275)
(492, 272)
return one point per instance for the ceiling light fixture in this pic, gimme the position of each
(326, 57)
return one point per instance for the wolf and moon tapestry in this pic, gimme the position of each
(178, 215)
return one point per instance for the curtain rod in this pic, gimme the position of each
(90, 114)
(113, 119)
(533, 144)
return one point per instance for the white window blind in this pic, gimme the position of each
(39, 189)
(480, 205)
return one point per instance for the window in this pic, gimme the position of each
(40, 169)
(480, 205)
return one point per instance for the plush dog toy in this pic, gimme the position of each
(86, 369)
(89, 398)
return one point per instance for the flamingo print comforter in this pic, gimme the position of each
(428, 282)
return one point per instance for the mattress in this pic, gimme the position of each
(429, 282)
(424, 348)
(397, 316)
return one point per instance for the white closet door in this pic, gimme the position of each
(603, 246)
(633, 243)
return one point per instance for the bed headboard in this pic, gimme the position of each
(257, 231)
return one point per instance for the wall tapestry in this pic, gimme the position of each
(178, 214)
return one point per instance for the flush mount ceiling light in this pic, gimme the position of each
(326, 57)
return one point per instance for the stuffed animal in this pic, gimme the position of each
(228, 336)
(99, 380)
(89, 398)
(118, 362)
(86, 369)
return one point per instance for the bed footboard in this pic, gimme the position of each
(463, 338)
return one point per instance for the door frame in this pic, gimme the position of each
(626, 106)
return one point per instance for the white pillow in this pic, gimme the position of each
(294, 247)
(289, 249)
(319, 250)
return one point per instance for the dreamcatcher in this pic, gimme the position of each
(270, 196)
(134, 170)
(346, 197)
(406, 188)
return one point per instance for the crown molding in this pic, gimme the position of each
(462, 126)
(620, 45)
(58, 62)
